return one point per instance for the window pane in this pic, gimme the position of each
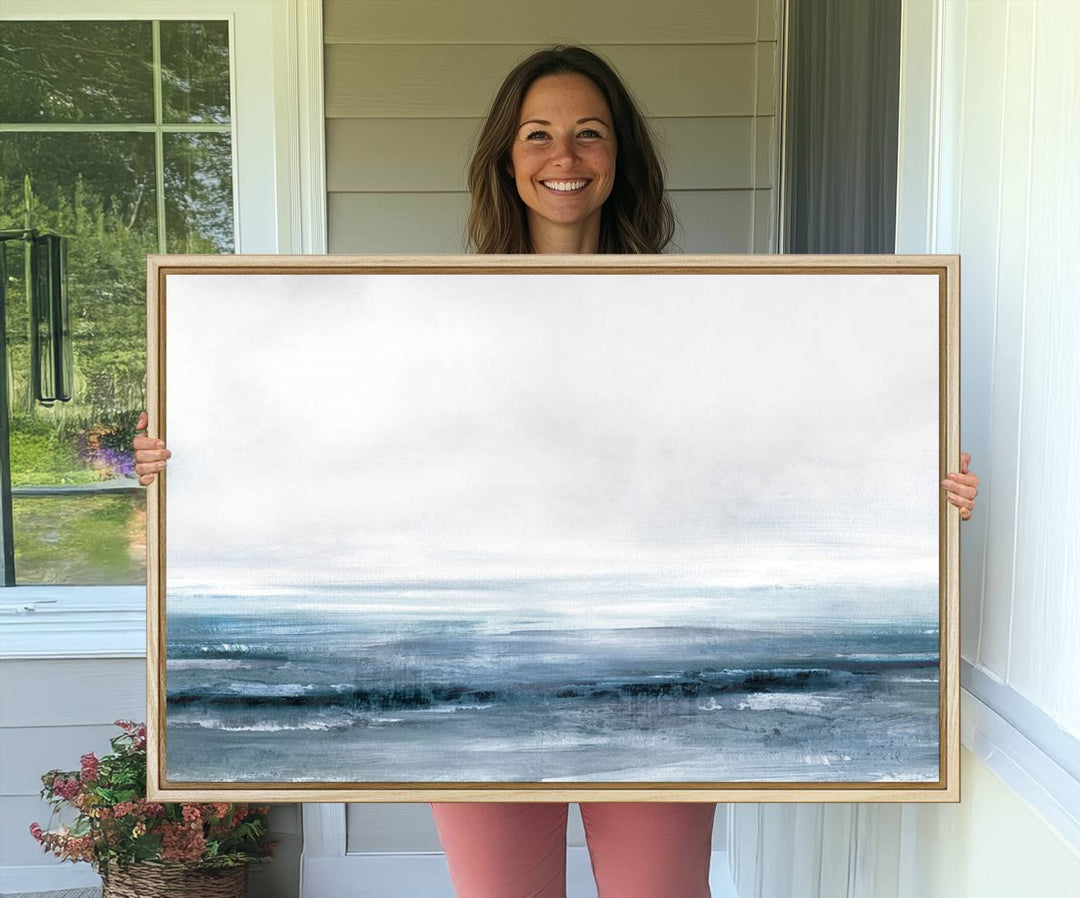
(77, 518)
(97, 190)
(195, 71)
(76, 72)
(81, 540)
(198, 193)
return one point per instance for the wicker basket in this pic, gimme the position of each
(149, 880)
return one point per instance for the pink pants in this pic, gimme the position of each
(518, 850)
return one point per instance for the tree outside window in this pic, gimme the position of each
(116, 135)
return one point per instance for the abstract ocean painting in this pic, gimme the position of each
(534, 528)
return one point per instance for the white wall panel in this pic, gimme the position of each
(386, 827)
(815, 850)
(975, 234)
(1011, 272)
(1045, 644)
(1005, 187)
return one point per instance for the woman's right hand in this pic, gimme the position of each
(150, 454)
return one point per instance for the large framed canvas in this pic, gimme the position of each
(454, 528)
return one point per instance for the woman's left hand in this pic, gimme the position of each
(962, 488)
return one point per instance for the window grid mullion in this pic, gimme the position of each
(81, 127)
(159, 137)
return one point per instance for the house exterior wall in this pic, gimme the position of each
(408, 84)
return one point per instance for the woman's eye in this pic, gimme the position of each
(588, 132)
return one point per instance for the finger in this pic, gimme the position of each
(145, 455)
(141, 443)
(965, 514)
(962, 489)
(960, 501)
(963, 479)
(146, 479)
(965, 460)
(142, 422)
(150, 467)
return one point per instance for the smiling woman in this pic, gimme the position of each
(563, 116)
(563, 164)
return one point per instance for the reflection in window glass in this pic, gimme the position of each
(98, 190)
(76, 72)
(79, 515)
(81, 540)
(195, 71)
(198, 193)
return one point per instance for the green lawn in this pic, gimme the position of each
(84, 540)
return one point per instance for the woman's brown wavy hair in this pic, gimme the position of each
(637, 216)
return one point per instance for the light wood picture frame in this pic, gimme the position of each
(553, 528)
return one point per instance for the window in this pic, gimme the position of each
(118, 136)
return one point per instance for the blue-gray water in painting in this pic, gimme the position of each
(529, 681)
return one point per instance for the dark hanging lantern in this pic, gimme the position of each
(51, 360)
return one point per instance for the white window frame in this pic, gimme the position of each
(279, 197)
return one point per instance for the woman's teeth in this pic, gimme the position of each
(564, 186)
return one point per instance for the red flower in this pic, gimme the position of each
(150, 808)
(192, 814)
(181, 842)
(217, 809)
(89, 767)
(66, 789)
(36, 831)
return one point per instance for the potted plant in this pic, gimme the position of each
(142, 847)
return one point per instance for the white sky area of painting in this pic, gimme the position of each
(735, 430)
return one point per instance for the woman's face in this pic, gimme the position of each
(563, 154)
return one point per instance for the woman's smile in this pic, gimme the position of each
(573, 186)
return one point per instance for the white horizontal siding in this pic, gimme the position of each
(709, 221)
(522, 22)
(76, 692)
(459, 80)
(408, 83)
(51, 713)
(432, 154)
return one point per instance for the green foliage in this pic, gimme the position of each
(99, 189)
(38, 458)
(116, 825)
(102, 538)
